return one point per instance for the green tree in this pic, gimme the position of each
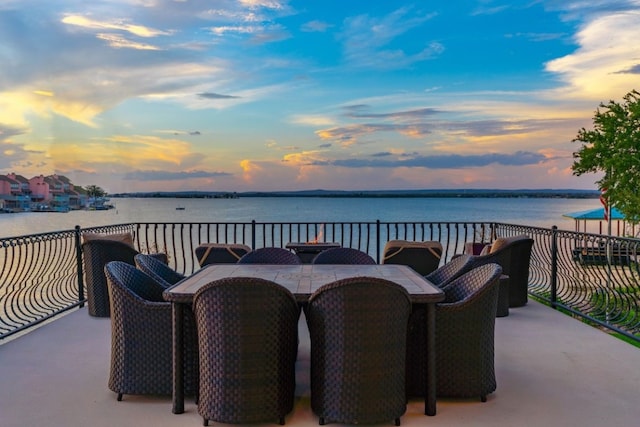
(612, 147)
(94, 191)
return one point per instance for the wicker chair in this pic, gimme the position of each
(465, 323)
(358, 328)
(248, 342)
(96, 254)
(220, 253)
(513, 254)
(270, 255)
(159, 271)
(343, 256)
(416, 344)
(423, 257)
(141, 335)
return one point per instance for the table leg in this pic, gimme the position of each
(430, 392)
(178, 367)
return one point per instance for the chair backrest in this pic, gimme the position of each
(127, 277)
(343, 256)
(514, 256)
(156, 269)
(471, 282)
(443, 275)
(270, 255)
(220, 253)
(422, 256)
(343, 316)
(96, 253)
(248, 341)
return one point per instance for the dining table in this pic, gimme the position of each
(302, 281)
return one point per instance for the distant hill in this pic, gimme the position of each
(484, 193)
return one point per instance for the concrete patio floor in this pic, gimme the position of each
(551, 371)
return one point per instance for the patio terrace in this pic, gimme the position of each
(552, 370)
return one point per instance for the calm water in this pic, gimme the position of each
(534, 212)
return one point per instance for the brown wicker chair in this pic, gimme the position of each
(157, 270)
(270, 255)
(358, 332)
(465, 323)
(141, 335)
(96, 254)
(513, 254)
(248, 342)
(343, 256)
(416, 344)
(423, 257)
(98, 250)
(220, 253)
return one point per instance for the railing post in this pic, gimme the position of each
(78, 234)
(378, 241)
(253, 234)
(554, 266)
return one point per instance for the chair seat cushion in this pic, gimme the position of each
(126, 238)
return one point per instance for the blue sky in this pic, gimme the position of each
(144, 95)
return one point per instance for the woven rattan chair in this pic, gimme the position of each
(358, 330)
(158, 270)
(248, 342)
(423, 257)
(444, 274)
(465, 323)
(270, 255)
(343, 256)
(96, 254)
(220, 253)
(513, 254)
(141, 335)
(97, 251)
(416, 343)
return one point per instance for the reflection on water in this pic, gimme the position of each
(525, 211)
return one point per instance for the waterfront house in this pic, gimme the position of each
(40, 193)
(14, 190)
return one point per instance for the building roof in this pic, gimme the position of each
(595, 214)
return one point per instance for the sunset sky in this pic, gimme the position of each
(145, 95)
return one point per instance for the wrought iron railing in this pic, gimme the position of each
(592, 276)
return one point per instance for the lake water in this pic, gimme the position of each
(525, 211)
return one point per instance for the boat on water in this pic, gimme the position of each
(180, 208)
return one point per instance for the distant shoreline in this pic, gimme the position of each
(489, 193)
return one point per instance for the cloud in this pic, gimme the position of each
(7, 131)
(635, 69)
(407, 114)
(350, 134)
(121, 42)
(588, 9)
(486, 10)
(451, 161)
(154, 175)
(501, 127)
(117, 25)
(11, 153)
(538, 37)
(216, 96)
(368, 41)
(315, 27)
(607, 44)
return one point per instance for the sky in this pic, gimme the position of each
(278, 95)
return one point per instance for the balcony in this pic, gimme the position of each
(551, 370)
